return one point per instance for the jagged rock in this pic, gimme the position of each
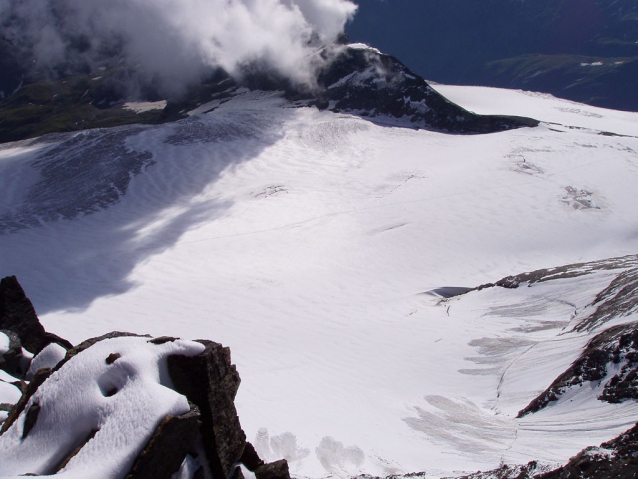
(163, 455)
(615, 346)
(506, 471)
(563, 272)
(364, 81)
(273, 470)
(12, 359)
(208, 380)
(18, 315)
(616, 459)
(211, 382)
(250, 458)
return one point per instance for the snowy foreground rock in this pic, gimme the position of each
(120, 405)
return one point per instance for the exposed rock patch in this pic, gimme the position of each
(616, 346)
(524, 471)
(620, 298)
(173, 439)
(563, 272)
(18, 315)
(616, 459)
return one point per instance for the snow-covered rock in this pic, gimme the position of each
(124, 405)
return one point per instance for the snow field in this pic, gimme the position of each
(306, 240)
(120, 403)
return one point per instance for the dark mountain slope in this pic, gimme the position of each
(357, 80)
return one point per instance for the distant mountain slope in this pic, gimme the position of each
(358, 79)
(537, 45)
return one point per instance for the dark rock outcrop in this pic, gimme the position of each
(616, 459)
(506, 471)
(13, 361)
(211, 382)
(620, 298)
(273, 470)
(18, 315)
(173, 439)
(356, 80)
(563, 272)
(615, 346)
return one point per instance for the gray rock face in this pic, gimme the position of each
(211, 382)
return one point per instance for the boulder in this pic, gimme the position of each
(211, 382)
(173, 439)
(17, 314)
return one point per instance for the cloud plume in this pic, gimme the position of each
(174, 41)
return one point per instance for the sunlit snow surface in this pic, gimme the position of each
(306, 241)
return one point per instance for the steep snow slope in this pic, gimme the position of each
(307, 241)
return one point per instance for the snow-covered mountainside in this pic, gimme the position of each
(321, 246)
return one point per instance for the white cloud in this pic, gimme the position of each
(174, 40)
